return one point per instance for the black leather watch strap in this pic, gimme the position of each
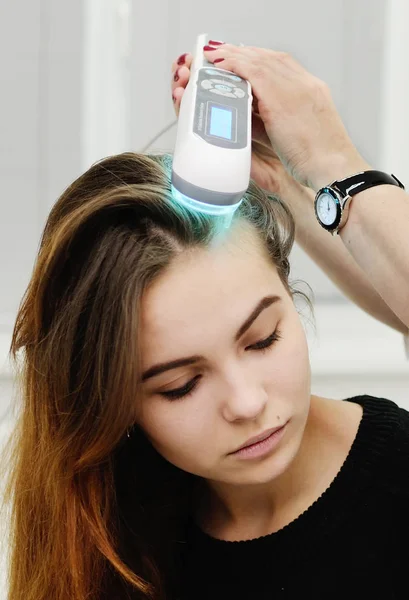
(364, 180)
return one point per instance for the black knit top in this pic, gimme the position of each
(353, 542)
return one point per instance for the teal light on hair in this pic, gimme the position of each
(208, 209)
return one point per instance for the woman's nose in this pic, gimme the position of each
(245, 398)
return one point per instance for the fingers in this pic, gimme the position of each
(237, 59)
(180, 78)
(250, 60)
(246, 61)
(184, 59)
(178, 87)
(181, 70)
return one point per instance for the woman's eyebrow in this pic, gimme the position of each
(174, 364)
(262, 305)
(189, 360)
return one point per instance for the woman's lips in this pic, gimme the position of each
(263, 446)
(258, 438)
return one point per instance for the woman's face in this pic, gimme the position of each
(224, 358)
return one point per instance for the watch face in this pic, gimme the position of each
(327, 209)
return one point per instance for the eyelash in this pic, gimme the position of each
(186, 390)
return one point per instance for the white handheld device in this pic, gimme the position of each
(212, 157)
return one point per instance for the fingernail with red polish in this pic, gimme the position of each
(217, 60)
(182, 59)
(215, 43)
(208, 48)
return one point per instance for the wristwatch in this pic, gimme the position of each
(333, 201)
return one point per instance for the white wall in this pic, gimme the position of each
(41, 54)
(106, 79)
(395, 91)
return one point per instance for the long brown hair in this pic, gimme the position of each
(94, 513)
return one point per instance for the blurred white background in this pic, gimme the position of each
(84, 79)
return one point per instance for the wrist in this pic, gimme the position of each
(290, 190)
(300, 201)
(335, 168)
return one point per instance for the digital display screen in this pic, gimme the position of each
(221, 120)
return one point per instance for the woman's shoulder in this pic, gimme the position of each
(384, 413)
(378, 429)
(383, 435)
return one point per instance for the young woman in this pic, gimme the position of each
(168, 445)
(157, 346)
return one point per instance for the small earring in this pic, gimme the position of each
(127, 433)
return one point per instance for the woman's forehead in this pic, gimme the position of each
(207, 287)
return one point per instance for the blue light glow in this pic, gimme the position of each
(203, 207)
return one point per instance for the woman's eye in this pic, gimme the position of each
(190, 386)
(182, 391)
(267, 342)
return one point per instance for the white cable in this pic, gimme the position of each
(144, 149)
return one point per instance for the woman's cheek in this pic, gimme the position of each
(177, 430)
(289, 372)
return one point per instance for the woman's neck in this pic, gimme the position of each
(234, 513)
